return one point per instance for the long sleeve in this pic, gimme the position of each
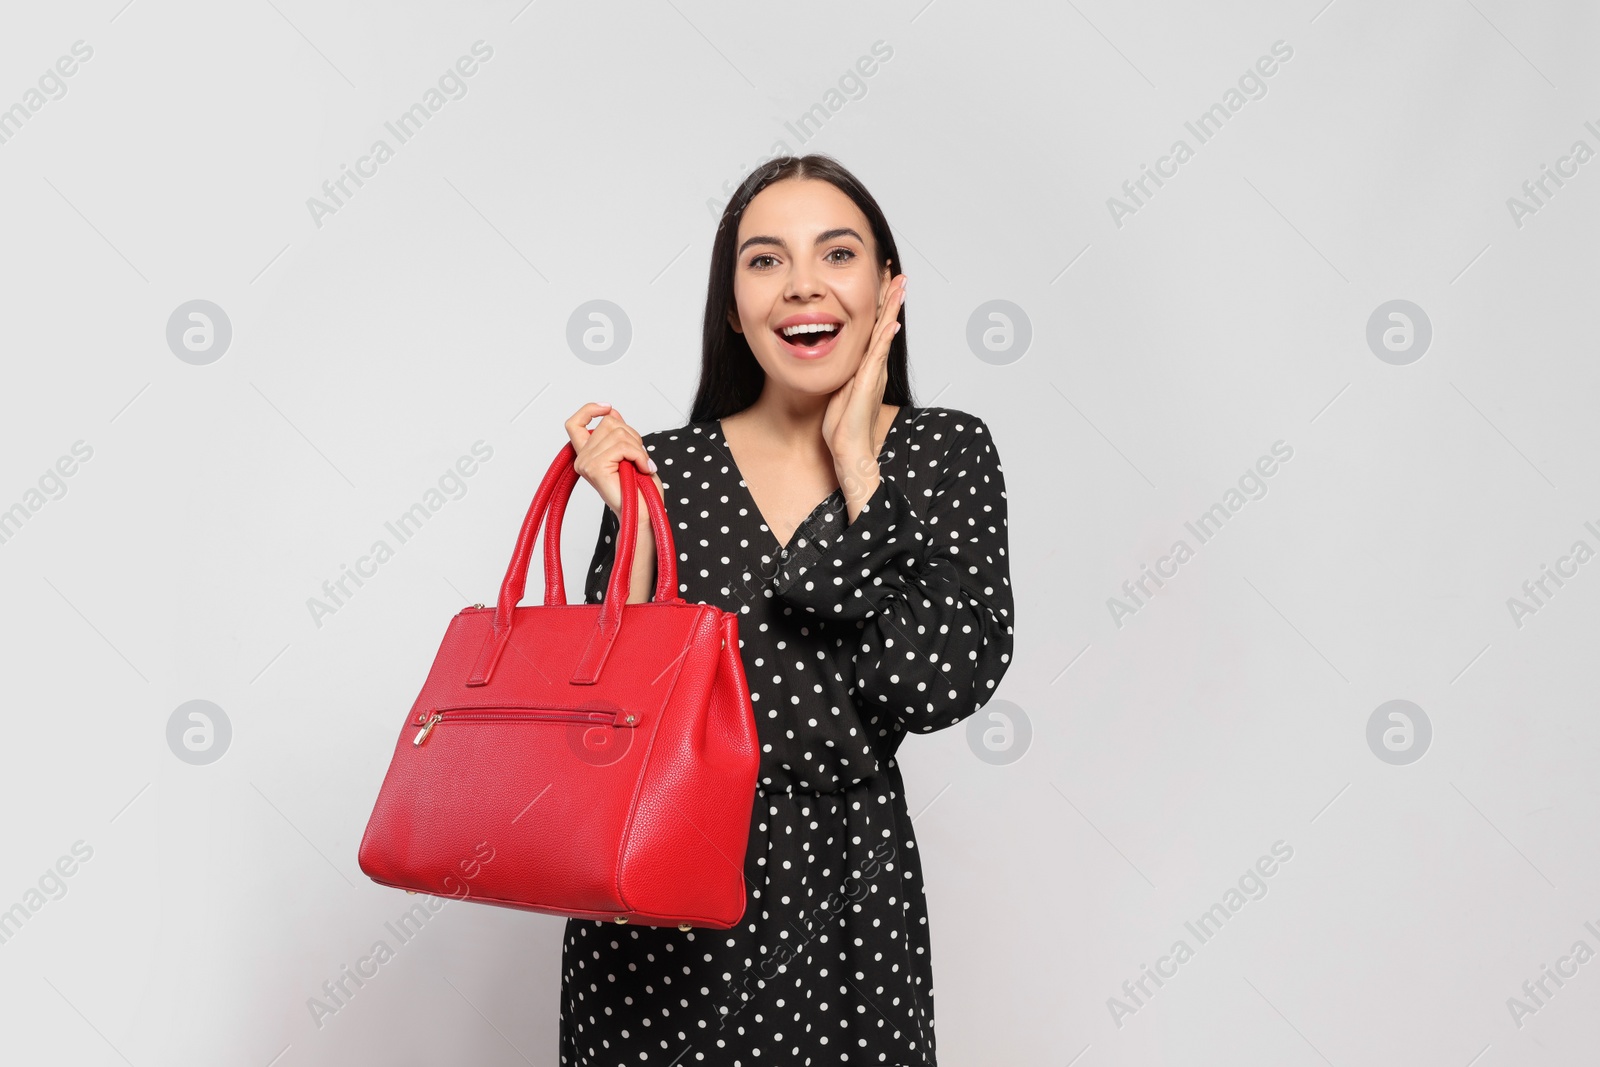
(928, 584)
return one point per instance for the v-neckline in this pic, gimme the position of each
(778, 548)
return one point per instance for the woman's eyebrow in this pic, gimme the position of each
(825, 235)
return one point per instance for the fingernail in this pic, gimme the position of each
(602, 405)
(652, 465)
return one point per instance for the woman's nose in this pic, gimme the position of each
(804, 282)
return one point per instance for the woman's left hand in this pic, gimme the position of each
(850, 424)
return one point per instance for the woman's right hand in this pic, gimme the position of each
(601, 450)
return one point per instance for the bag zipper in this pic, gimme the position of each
(518, 713)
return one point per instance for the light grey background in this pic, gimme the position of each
(586, 162)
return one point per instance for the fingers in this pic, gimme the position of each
(894, 298)
(862, 404)
(888, 325)
(639, 459)
(638, 454)
(598, 440)
(602, 450)
(624, 443)
(577, 425)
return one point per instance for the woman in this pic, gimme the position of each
(881, 610)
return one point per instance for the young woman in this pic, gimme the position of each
(862, 539)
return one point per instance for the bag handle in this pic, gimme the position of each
(549, 509)
(555, 591)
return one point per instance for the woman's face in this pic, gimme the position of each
(805, 256)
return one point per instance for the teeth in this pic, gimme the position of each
(810, 327)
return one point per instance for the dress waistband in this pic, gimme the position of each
(792, 790)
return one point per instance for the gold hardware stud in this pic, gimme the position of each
(724, 643)
(630, 719)
(621, 919)
(685, 926)
(477, 605)
(413, 892)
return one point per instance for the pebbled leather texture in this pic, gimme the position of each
(596, 817)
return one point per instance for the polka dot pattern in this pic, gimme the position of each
(852, 634)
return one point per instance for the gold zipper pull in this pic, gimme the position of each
(427, 728)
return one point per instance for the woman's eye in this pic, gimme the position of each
(759, 262)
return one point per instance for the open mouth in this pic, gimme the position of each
(811, 340)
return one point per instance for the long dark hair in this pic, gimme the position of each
(730, 377)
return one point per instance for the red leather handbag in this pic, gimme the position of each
(591, 760)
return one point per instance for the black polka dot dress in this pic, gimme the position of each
(852, 635)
